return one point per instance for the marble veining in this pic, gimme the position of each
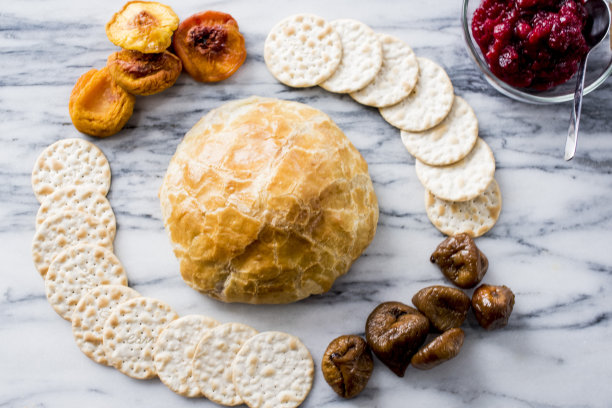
(552, 244)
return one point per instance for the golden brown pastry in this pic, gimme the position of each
(267, 201)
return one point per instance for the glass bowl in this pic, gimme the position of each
(599, 67)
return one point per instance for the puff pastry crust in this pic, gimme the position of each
(267, 201)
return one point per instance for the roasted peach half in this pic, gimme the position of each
(210, 46)
(98, 106)
(144, 74)
(144, 26)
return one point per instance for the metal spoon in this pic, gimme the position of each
(598, 23)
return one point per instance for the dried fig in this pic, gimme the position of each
(445, 307)
(347, 365)
(210, 46)
(461, 261)
(492, 305)
(441, 349)
(394, 332)
(144, 74)
(144, 26)
(98, 106)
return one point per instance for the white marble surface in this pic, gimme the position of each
(552, 244)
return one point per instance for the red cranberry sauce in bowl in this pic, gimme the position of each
(534, 44)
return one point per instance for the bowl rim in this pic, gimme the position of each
(509, 90)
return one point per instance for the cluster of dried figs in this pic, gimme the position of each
(208, 45)
(465, 265)
(396, 333)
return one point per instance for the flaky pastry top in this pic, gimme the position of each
(267, 201)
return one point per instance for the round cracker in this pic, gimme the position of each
(361, 57)
(70, 162)
(302, 50)
(463, 180)
(273, 369)
(85, 199)
(174, 350)
(90, 314)
(428, 104)
(473, 217)
(397, 77)
(448, 142)
(65, 229)
(129, 333)
(76, 270)
(212, 362)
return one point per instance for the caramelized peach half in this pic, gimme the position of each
(144, 74)
(210, 46)
(144, 26)
(98, 106)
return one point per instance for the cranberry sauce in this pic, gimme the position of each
(531, 43)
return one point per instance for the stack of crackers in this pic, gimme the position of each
(143, 337)
(414, 94)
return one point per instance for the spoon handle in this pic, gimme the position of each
(572, 133)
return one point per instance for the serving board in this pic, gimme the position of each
(551, 244)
